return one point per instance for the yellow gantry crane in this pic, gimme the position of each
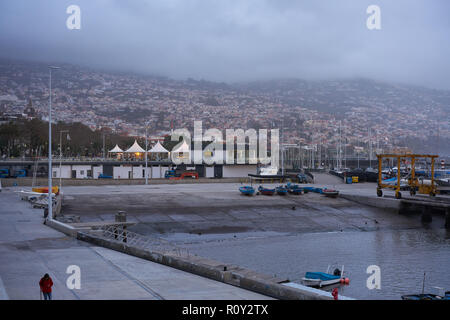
(413, 182)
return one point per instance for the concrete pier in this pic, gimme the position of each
(29, 249)
(424, 205)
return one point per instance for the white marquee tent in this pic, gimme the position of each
(135, 148)
(116, 149)
(182, 153)
(158, 148)
(184, 147)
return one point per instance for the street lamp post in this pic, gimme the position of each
(50, 200)
(282, 149)
(60, 157)
(146, 152)
(104, 152)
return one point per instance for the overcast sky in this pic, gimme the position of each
(238, 40)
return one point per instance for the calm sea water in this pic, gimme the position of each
(402, 255)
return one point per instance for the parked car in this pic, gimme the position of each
(169, 174)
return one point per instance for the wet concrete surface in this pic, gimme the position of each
(220, 209)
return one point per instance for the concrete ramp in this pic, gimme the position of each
(326, 179)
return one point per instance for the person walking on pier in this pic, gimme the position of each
(46, 284)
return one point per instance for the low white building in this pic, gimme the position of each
(123, 172)
(153, 171)
(76, 171)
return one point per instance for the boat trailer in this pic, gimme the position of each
(413, 182)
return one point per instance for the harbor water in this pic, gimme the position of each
(402, 255)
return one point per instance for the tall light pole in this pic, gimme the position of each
(60, 157)
(146, 152)
(50, 200)
(370, 148)
(103, 152)
(357, 153)
(282, 154)
(340, 147)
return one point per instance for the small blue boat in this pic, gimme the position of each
(247, 190)
(426, 296)
(266, 191)
(313, 189)
(320, 279)
(294, 188)
(282, 191)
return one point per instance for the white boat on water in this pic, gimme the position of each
(321, 279)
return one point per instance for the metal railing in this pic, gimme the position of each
(122, 235)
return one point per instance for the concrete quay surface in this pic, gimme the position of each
(194, 211)
(29, 249)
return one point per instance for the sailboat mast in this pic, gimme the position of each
(340, 145)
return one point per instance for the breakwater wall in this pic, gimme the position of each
(381, 203)
(425, 207)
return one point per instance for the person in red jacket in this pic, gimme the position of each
(46, 284)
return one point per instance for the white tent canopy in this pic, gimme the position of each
(184, 147)
(116, 149)
(158, 148)
(135, 148)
